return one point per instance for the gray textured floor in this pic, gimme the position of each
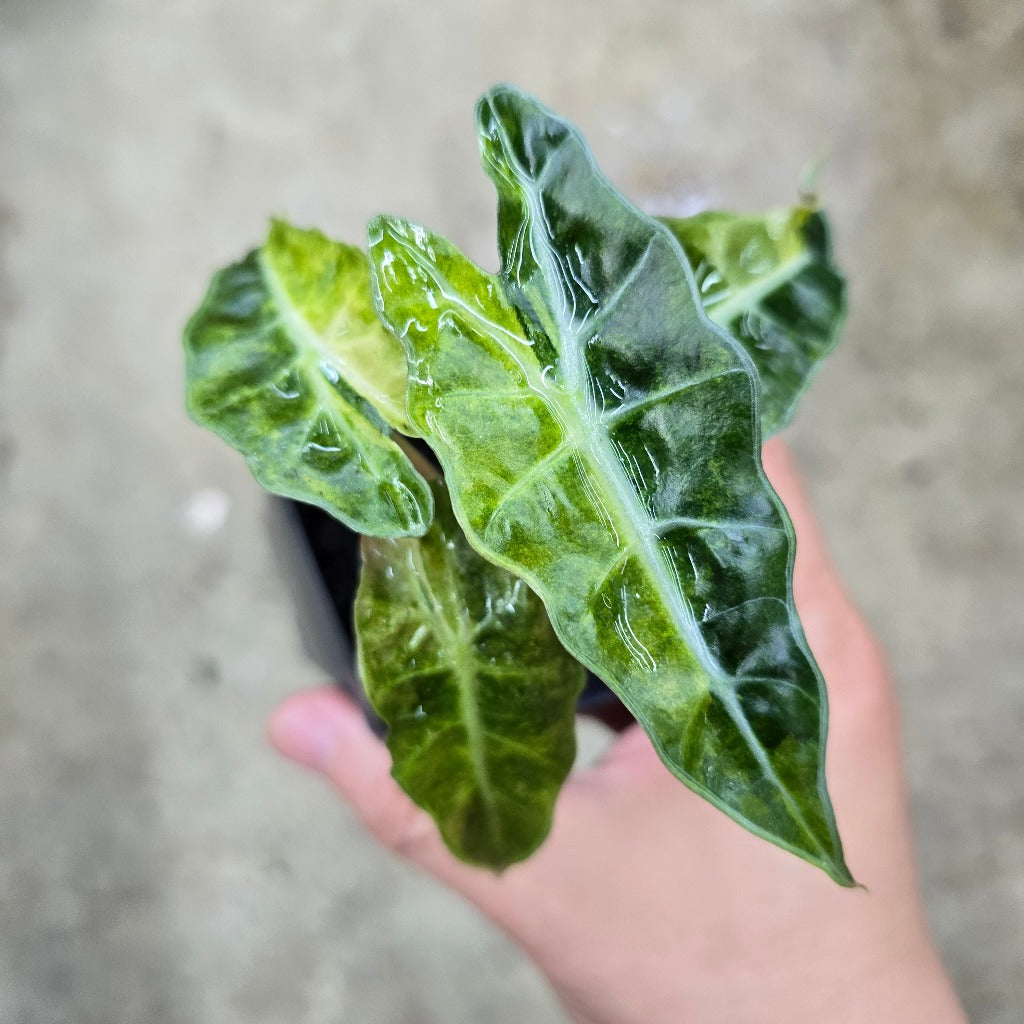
(157, 864)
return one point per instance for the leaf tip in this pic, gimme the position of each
(498, 94)
(375, 229)
(280, 231)
(506, 107)
(840, 874)
(385, 228)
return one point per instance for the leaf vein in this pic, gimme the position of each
(618, 412)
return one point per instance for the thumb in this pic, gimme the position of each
(323, 730)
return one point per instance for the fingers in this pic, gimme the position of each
(323, 730)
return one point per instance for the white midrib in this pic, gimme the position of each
(459, 640)
(747, 297)
(313, 352)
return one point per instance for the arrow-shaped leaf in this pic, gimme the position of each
(288, 362)
(600, 439)
(458, 657)
(771, 282)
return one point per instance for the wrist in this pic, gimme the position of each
(909, 985)
(895, 978)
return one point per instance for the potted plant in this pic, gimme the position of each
(554, 469)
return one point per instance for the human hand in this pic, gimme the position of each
(646, 905)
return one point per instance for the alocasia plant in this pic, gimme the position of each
(597, 414)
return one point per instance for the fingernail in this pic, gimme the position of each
(307, 731)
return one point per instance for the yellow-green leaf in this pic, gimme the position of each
(288, 362)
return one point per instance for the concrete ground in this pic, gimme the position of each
(157, 863)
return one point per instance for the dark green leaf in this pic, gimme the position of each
(770, 281)
(458, 657)
(599, 437)
(287, 361)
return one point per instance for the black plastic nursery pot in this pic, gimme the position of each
(321, 561)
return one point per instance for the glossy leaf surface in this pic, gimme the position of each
(600, 438)
(458, 657)
(770, 281)
(288, 362)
